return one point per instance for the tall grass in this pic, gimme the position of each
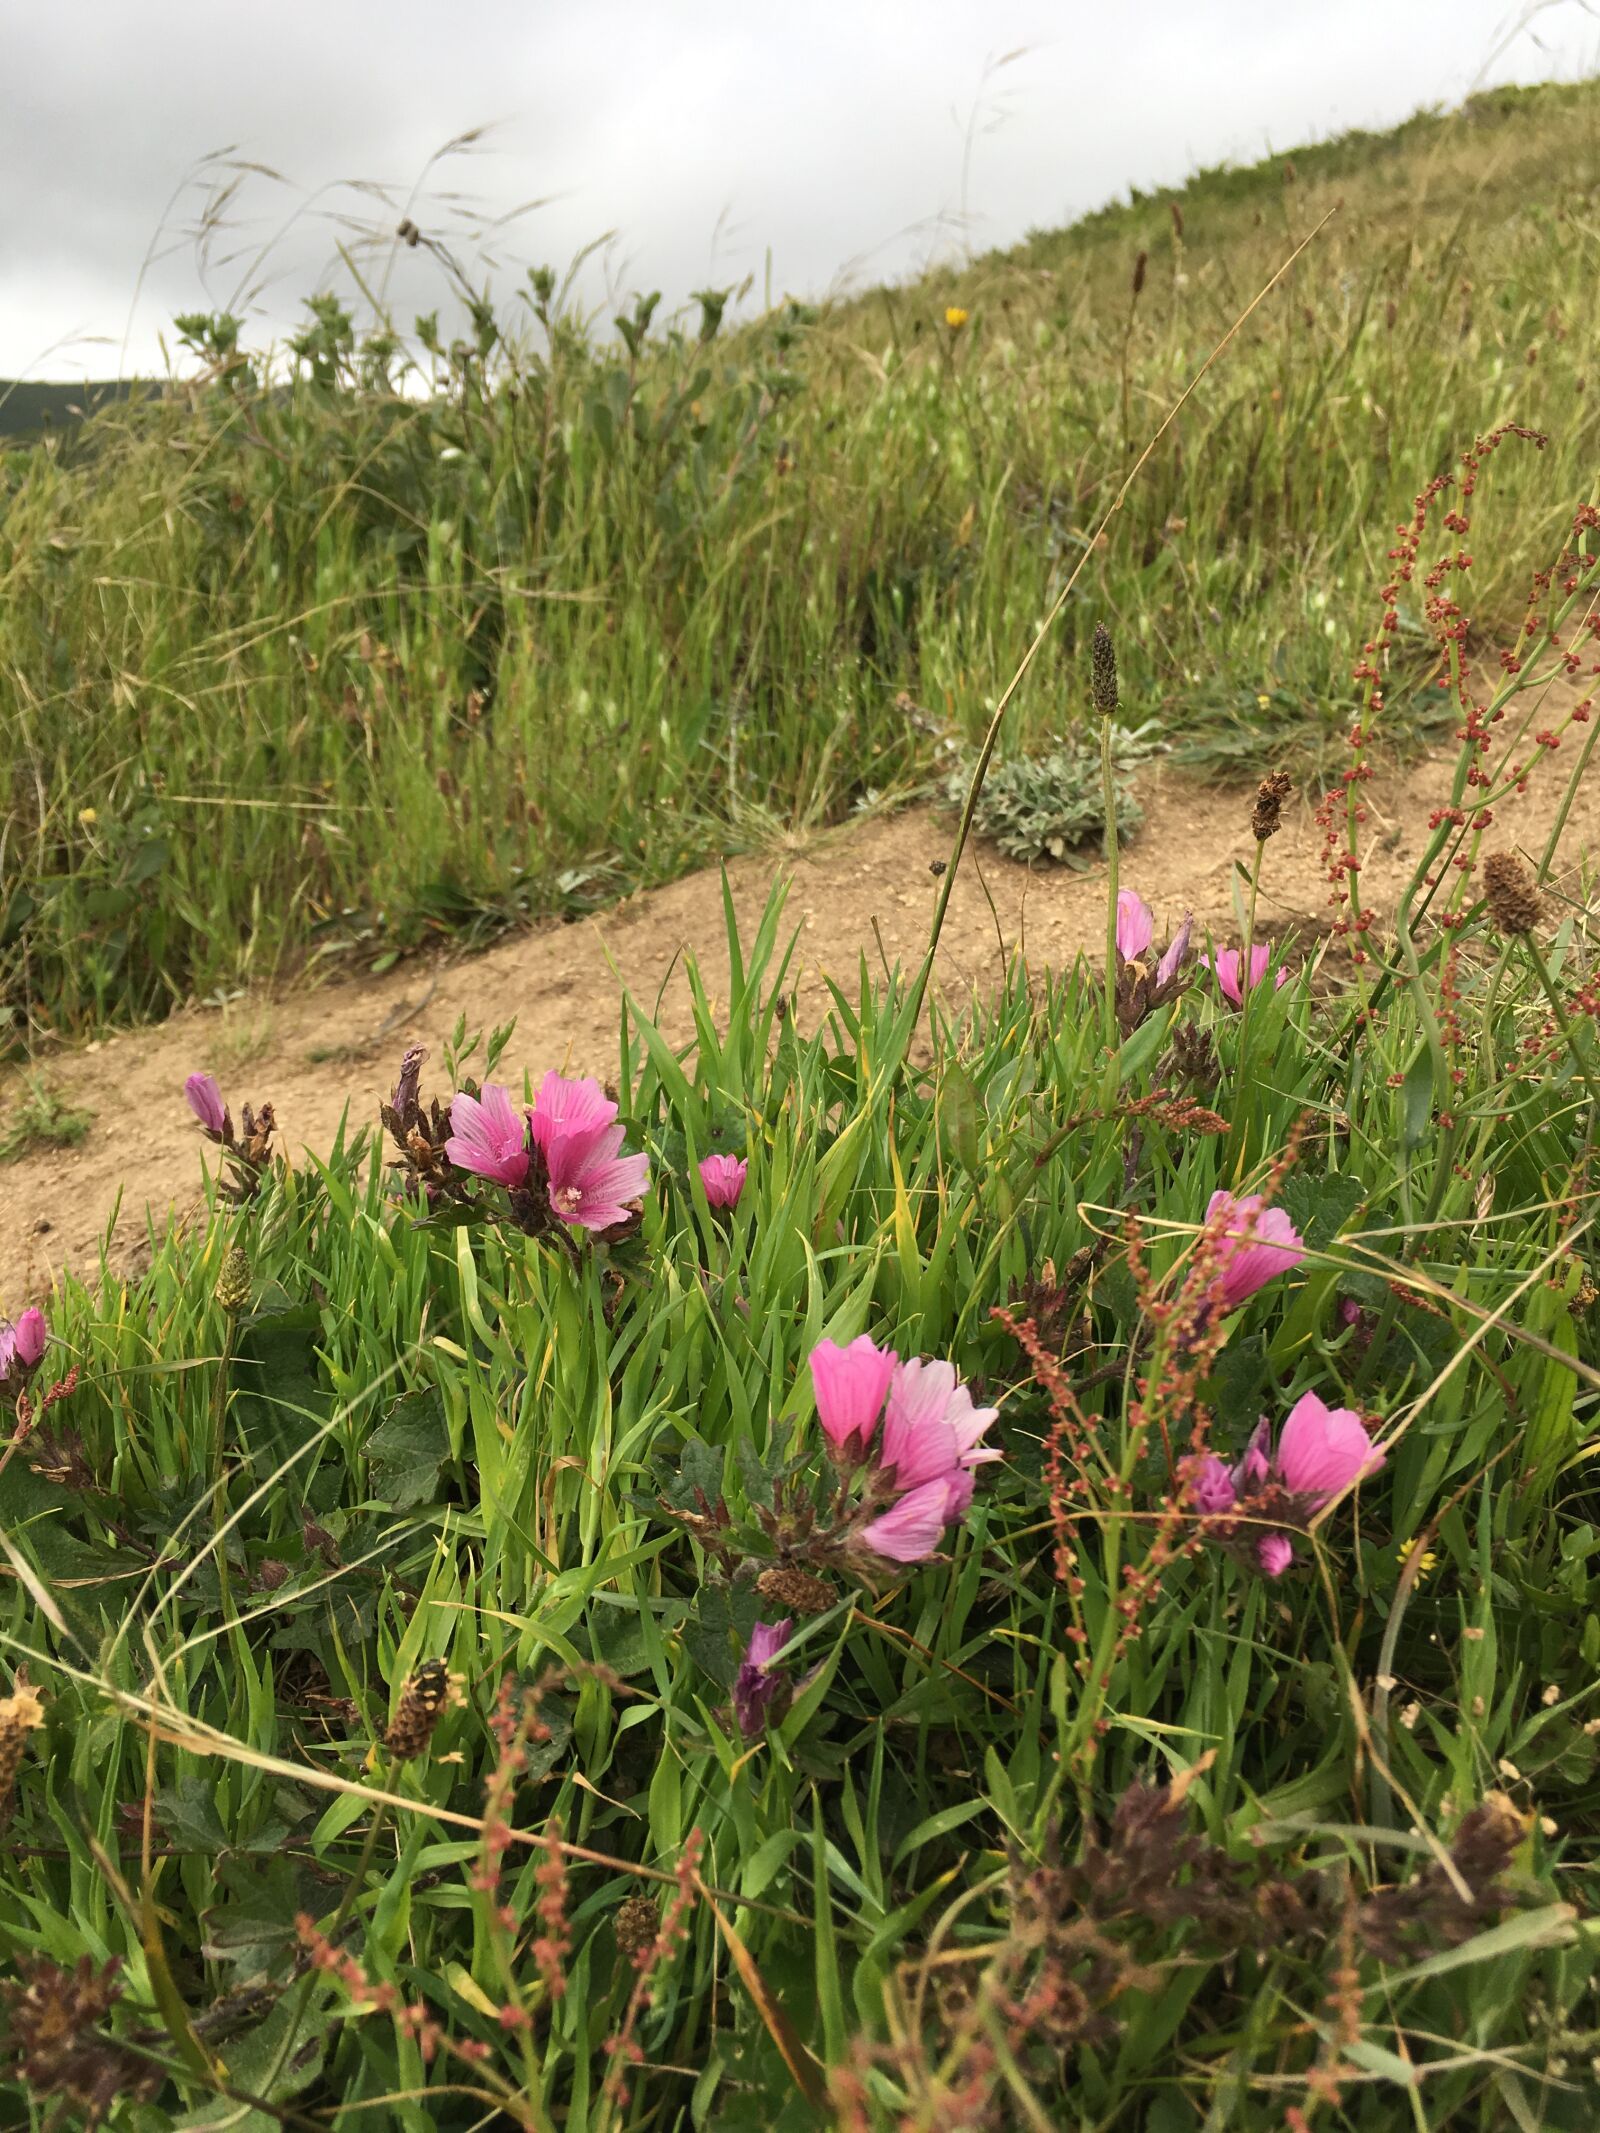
(317, 670)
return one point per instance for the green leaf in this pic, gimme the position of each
(958, 1116)
(407, 1449)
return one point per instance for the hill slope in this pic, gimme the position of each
(326, 671)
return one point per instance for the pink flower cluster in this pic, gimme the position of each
(573, 1127)
(22, 1345)
(1321, 1451)
(923, 1460)
(1227, 967)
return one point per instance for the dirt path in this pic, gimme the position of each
(562, 983)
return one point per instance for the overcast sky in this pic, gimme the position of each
(844, 139)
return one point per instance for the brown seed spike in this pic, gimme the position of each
(1266, 817)
(1514, 903)
(1103, 672)
(421, 1701)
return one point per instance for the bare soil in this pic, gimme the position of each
(865, 888)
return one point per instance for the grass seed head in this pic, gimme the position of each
(795, 1589)
(233, 1283)
(1266, 817)
(1103, 672)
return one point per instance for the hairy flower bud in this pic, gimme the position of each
(1514, 903)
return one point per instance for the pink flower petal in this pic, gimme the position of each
(910, 1530)
(1136, 925)
(581, 1109)
(489, 1136)
(1322, 1449)
(850, 1384)
(1274, 1552)
(723, 1177)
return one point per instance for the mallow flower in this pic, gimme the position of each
(1321, 1451)
(489, 1135)
(930, 1426)
(1254, 1244)
(1227, 968)
(910, 1530)
(850, 1385)
(22, 1344)
(1136, 925)
(723, 1177)
(574, 1125)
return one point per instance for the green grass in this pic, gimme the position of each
(1369, 1895)
(319, 673)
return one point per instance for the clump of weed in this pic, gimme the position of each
(42, 1119)
(1052, 806)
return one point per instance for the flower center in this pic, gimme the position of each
(566, 1199)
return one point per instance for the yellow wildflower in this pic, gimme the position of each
(955, 318)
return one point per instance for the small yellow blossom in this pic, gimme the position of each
(88, 817)
(955, 318)
(1263, 701)
(1425, 1562)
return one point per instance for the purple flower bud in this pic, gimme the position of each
(205, 1101)
(756, 1687)
(1172, 961)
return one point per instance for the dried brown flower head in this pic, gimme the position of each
(1192, 1056)
(21, 1713)
(1266, 817)
(424, 1698)
(51, 2015)
(1514, 903)
(796, 1590)
(1103, 672)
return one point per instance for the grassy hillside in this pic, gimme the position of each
(312, 673)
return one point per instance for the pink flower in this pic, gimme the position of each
(1322, 1450)
(32, 1336)
(1227, 969)
(723, 1178)
(592, 1182)
(1135, 925)
(205, 1101)
(930, 1427)
(1167, 968)
(489, 1136)
(910, 1530)
(1274, 1552)
(1211, 1487)
(756, 1686)
(1254, 1244)
(850, 1384)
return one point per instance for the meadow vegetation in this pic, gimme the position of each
(425, 632)
(920, 1577)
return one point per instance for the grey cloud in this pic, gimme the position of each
(705, 135)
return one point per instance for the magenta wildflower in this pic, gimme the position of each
(1322, 1450)
(592, 1183)
(205, 1101)
(1227, 968)
(1136, 925)
(930, 1427)
(489, 1136)
(23, 1344)
(850, 1384)
(1211, 1487)
(756, 1687)
(1254, 1244)
(910, 1530)
(723, 1177)
(1274, 1552)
